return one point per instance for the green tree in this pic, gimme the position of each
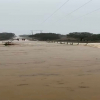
(81, 36)
(45, 36)
(6, 36)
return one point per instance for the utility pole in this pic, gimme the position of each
(38, 30)
(32, 32)
(41, 31)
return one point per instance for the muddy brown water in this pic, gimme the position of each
(49, 71)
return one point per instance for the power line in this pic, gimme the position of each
(87, 14)
(84, 15)
(55, 11)
(36, 30)
(75, 10)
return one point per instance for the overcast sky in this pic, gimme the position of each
(21, 16)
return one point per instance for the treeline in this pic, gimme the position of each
(45, 36)
(76, 36)
(84, 36)
(6, 36)
(73, 36)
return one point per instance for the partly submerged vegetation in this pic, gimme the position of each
(74, 36)
(85, 36)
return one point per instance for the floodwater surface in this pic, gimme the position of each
(49, 71)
